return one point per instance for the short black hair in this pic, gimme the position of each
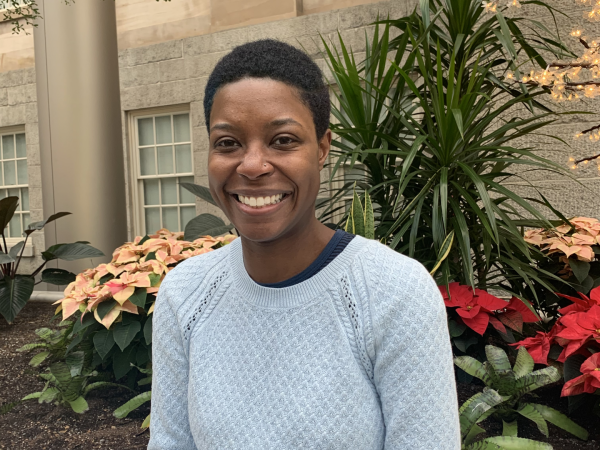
(279, 61)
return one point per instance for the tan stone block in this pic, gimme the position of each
(155, 53)
(21, 94)
(139, 97)
(32, 133)
(12, 115)
(197, 114)
(140, 75)
(355, 39)
(323, 23)
(35, 176)
(201, 163)
(33, 153)
(362, 15)
(3, 97)
(17, 77)
(280, 29)
(35, 198)
(402, 8)
(226, 14)
(215, 42)
(31, 112)
(123, 58)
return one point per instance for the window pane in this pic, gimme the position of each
(151, 196)
(8, 146)
(152, 220)
(26, 220)
(163, 130)
(145, 131)
(169, 219)
(168, 190)
(165, 159)
(186, 196)
(22, 171)
(21, 146)
(2, 193)
(15, 193)
(183, 158)
(9, 173)
(147, 164)
(25, 199)
(187, 214)
(15, 226)
(181, 126)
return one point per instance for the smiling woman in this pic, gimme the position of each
(293, 337)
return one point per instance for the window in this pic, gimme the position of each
(13, 178)
(7, 4)
(163, 160)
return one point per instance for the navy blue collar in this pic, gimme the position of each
(334, 247)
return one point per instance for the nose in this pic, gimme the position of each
(254, 163)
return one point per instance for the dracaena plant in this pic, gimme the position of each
(428, 118)
(16, 289)
(512, 384)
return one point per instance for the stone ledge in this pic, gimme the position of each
(154, 53)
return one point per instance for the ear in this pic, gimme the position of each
(324, 147)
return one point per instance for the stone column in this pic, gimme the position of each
(81, 148)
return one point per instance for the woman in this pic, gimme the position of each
(293, 336)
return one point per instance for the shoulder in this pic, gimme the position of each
(189, 275)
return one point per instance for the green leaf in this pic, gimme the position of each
(15, 249)
(29, 347)
(199, 191)
(473, 368)
(444, 251)
(39, 225)
(75, 362)
(102, 385)
(509, 428)
(205, 225)
(7, 407)
(581, 269)
(154, 279)
(357, 215)
(48, 395)
(79, 405)
(8, 206)
(148, 330)
(14, 294)
(124, 333)
(137, 401)
(369, 218)
(456, 329)
(528, 411)
(508, 443)
(83, 322)
(561, 421)
(32, 396)
(524, 363)
(6, 259)
(146, 422)
(138, 298)
(58, 277)
(103, 342)
(471, 411)
(122, 361)
(38, 359)
(105, 307)
(75, 251)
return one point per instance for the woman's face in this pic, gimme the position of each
(264, 158)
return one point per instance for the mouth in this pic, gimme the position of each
(260, 202)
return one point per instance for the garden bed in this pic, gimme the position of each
(549, 396)
(44, 426)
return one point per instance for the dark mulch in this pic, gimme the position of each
(549, 396)
(44, 426)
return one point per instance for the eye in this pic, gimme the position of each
(226, 143)
(284, 140)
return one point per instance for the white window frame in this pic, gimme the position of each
(135, 176)
(12, 241)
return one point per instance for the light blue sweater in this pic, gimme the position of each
(355, 358)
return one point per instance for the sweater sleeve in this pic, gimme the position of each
(413, 365)
(169, 423)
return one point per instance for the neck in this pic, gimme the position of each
(278, 260)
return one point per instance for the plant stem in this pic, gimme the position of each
(20, 255)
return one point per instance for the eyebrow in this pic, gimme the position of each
(274, 123)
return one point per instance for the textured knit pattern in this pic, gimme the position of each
(356, 357)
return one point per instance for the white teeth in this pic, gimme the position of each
(259, 202)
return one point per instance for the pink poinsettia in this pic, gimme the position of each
(129, 269)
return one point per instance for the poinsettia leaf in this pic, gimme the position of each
(497, 324)
(581, 269)
(512, 319)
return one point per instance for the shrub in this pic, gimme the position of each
(512, 383)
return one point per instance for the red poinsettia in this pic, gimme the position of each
(513, 316)
(579, 327)
(588, 382)
(473, 306)
(539, 345)
(580, 304)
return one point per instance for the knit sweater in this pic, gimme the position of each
(357, 357)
